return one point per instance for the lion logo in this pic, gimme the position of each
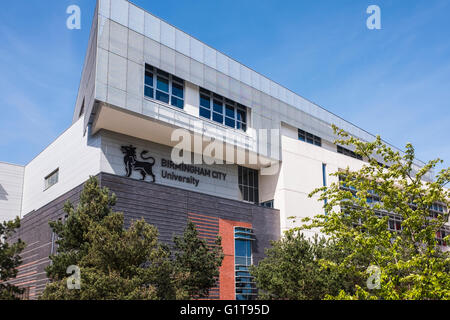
(131, 162)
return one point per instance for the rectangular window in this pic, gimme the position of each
(248, 184)
(348, 153)
(222, 110)
(51, 179)
(440, 235)
(163, 87)
(309, 138)
(267, 204)
(324, 180)
(245, 285)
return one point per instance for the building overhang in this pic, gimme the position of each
(123, 121)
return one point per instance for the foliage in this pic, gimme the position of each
(412, 265)
(293, 270)
(197, 262)
(118, 263)
(9, 259)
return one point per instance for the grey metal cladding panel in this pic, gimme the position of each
(182, 66)
(167, 59)
(266, 225)
(197, 73)
(87, 82)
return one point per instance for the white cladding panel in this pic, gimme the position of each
(300, 174)
(74, 154)
(11, 186)
(222, 180)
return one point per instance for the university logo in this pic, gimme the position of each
(131, 162)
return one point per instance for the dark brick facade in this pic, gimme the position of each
(168, 208)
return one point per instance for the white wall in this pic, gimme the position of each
(76, 156)
(112, 161)
(301, 173)
(11, 183)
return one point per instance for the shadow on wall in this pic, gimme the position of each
(3, 193)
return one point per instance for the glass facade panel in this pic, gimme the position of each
(244, 282)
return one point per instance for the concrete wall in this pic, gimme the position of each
(75, 154)
(11, 185)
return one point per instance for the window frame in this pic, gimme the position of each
(47, 178)
(268, 204)
(173, 98)
(349, 153)
(304, 136)
(240, 112)
(248, 187)
(245, 286)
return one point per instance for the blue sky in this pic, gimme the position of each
(394, 82)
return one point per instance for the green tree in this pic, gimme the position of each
(359, 206)
(119, 263)
(9, 259)
(197, 263)
(292, 269)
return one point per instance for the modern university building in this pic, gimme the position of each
(143, 79)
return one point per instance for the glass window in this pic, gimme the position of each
(268, 204)
(230, 122)
(164, 97)
(205, 101)
(169, 88)
(309, 138)
(217, 117)
(162, 84)
(224, 111)
(230, 111)
(177, 90)
(149, 78)
(205, 113)
(163, 73)
(148, 91)
(51, 179)
(218, 106)
(248, 184)
(244, 282)
(177, 102)
(241, 115)
(242, 248)
(348, 153)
